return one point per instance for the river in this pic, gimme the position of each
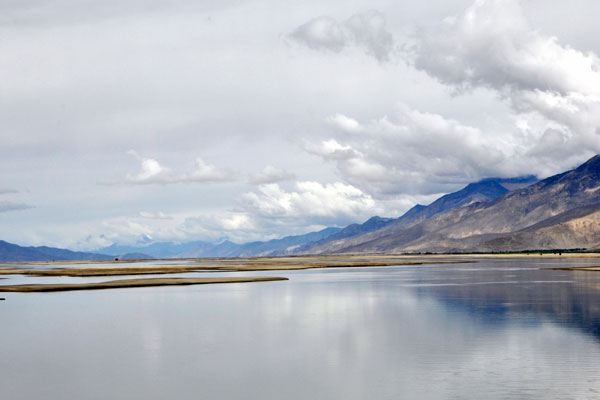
(494, 329)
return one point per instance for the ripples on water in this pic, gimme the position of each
(497, 329)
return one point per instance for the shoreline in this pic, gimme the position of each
(304, 258)
(102, 268)
(224, 265)
(592, 268)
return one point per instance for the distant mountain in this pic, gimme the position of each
(474, 193)
(154, 250)
(279, 247)
(134, 256)
(275, 247)
(494, 214)
(223, 249)
(555, 213)
(13, 252)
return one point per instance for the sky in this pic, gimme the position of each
(127, 121)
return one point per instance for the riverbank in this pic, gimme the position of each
(216, 265)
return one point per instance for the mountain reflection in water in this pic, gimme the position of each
(496, 329)
(501, 292)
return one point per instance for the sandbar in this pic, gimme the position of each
(225, 265)
(133, 283)
(592, 268)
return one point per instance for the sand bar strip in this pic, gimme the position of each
(236, 266)
(592, 268)
(133, 283)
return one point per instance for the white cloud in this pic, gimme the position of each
(231, 224)
(493, 45)
(527, 104)
(311, 200)
(151, 215)
(344, 123)
(323, 33)
(332, 150)
(236, 225)
(205, 172)
(414, 152)
(366, 30)
(270, 174)
(352, 163)
(152, 172)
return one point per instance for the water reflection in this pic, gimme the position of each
(495, 330)
(502, 291)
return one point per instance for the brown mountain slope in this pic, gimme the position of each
(579, 228)
(468, 227)
(478, 192)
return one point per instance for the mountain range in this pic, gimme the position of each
(285, 246)
(559, 212)
(13, 252)
(492, 215)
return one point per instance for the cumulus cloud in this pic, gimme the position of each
(413, 152)
(236, 225)
(205, 172)
(311, 200)
(332, 150)
(344, 123)
(271, 174)
(352, 163)
(493, 45)
(268, 213)
(366, 30)
(152, 172)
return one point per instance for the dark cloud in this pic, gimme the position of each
(6, 206)
(8, 191)
(271, 174)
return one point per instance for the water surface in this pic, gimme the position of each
(496, 329)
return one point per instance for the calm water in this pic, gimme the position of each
(502, 329)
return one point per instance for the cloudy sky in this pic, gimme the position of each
(251, 120)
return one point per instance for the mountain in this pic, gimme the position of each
(134, 256)
(274, 247)
(13, 252)
(494, 214)
(478, 192)
(153, 250)
(555, 213)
